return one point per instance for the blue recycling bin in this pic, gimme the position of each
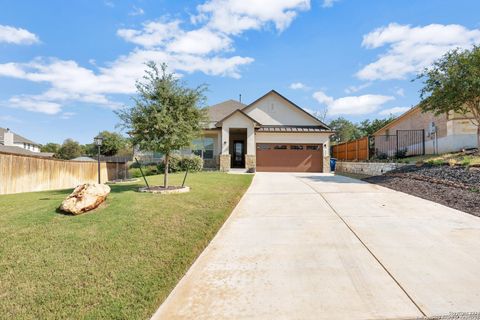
(333, 164)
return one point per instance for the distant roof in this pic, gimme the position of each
(221, 110)
(21, 151)
(84, 159)
(16, 138)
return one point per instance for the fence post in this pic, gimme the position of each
(356, 150)
(397, 144)
(423, 141)
(346, 151)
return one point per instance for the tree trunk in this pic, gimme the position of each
(165, 174)
(478, 138)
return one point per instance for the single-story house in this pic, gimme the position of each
(270, 134)
(448, 132)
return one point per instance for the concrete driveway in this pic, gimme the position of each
(317, 246)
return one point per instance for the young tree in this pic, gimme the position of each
(452, 83)
(166, 115)
(70, 149)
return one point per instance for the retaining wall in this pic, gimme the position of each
(367, 168)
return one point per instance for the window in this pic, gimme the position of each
(296, 147)
(280, 147)
(263, 146)
(316, 148)
(203, 147)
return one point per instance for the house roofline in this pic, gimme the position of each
(397, 119)
(231, 114)
(292, 103)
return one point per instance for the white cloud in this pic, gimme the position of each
(394, 111)
(237, 16)
(35, 105)
(352, 105)
(298, 86)
(328, 3)
(67, 115)
(353, 89)
(152, 34)
(136, 11)
(14, 35)
(410, 49)
(204, 47)
(400, 92)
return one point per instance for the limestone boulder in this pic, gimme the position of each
(85, 197)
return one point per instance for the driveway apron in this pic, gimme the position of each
(318, 246)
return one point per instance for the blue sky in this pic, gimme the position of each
(66, 65)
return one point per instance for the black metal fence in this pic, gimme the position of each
(404, 143)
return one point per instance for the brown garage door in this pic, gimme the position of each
(289, 157)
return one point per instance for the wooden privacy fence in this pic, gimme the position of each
(353, 150)
(20, 173)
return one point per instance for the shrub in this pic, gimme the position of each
(436, 162)
(382, 156)
(192, 163)
(148, 170)
(402, 153)
(181, 163)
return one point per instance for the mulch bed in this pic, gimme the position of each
(455, 187)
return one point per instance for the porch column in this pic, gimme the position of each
(225, 155)
(250, 158)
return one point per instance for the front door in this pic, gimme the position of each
(238, 159)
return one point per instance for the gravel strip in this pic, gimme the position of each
(455, 187)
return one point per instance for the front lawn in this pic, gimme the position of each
(117, 262)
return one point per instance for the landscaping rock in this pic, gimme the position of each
(85, 197)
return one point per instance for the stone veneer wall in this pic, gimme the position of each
(211, 164)
(326, 164)
(250, 161)
(225, 162)
(368, 168)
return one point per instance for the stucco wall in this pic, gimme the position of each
(274, 110)
(238, 121)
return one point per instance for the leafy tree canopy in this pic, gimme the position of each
(166, 115)
(70, 149)
(50, 147)
(347, 130)
(113, 144)
(452, 83)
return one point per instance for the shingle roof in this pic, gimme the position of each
(221, 110)
(21, 151)
(16, 138)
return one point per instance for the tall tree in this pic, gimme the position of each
(345, 130)
(166, 115)
(70, 149)
(452, 83)
(113, 143)
(368, 127)
(50, 147)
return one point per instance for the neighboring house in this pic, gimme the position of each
(9, 138)
(83, 159)
(270, 134)
(440, 134)
(15, 144)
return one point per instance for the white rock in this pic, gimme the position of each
(85, 197)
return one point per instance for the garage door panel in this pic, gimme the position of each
(289, 160)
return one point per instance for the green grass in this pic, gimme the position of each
(119, 261)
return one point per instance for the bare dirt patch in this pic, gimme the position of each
(455, 187)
